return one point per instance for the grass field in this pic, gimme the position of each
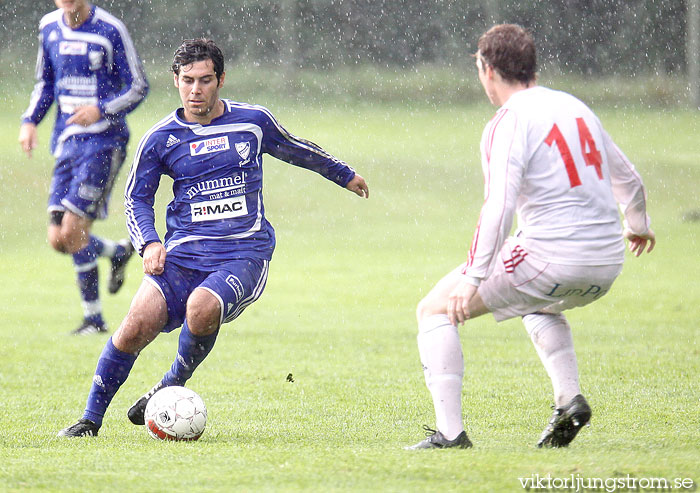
(338, 313)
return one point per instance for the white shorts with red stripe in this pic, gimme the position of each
(521, 284)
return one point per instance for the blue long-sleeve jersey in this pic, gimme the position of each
(217, 211)
(94, 64)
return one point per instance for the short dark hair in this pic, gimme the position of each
(510, 49)
(195, 50)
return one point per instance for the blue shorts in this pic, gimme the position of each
(236, 285)
(84, 175)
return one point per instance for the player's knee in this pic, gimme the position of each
(56, 241)
(540, 322)
(136, 331)
(72, 235)
(67, 241)
(419, 310)
(203, 313)
(74, 240)
(72, 247)
(54, 235)
(425, 309)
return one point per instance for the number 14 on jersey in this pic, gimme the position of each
(591, 154)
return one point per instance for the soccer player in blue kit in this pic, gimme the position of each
(88, 65)
(218, 245)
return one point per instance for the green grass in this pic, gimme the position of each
(338, 313)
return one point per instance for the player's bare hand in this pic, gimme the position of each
(358, 186)
(27, 138)
(85, 116)
(638, 243)
(154, 259)
(458, 302)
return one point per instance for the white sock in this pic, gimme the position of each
(91, 308)
(551, 335)
(443, 365)
(109, 248)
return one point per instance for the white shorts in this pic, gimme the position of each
(521, 284)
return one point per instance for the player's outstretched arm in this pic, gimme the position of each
(358, 186)
(637, 243)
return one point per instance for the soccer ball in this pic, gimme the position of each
(175, 413)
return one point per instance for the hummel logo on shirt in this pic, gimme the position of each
(172, 140)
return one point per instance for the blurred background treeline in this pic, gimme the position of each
(621, 50)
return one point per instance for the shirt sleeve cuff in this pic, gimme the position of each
(474, 281)
(146, 243)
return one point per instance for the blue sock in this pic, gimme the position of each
(112, 370)
(191, 351)
(97, 244)
(85, 263)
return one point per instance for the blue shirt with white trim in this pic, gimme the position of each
(217, 212)
(93, 64)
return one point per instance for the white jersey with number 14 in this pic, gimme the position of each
(546, 157)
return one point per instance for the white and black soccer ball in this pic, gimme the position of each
(175, 413)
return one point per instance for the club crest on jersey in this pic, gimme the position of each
(72, 48)
(211, 210)
(95, 58)
(243, 149)
(208, 146)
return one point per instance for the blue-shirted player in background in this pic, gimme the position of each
(87, 64)
(214, 261)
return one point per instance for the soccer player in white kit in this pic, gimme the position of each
(546, 158)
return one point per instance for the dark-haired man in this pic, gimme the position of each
(214, 260)
(88, 66)
(546, 157)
